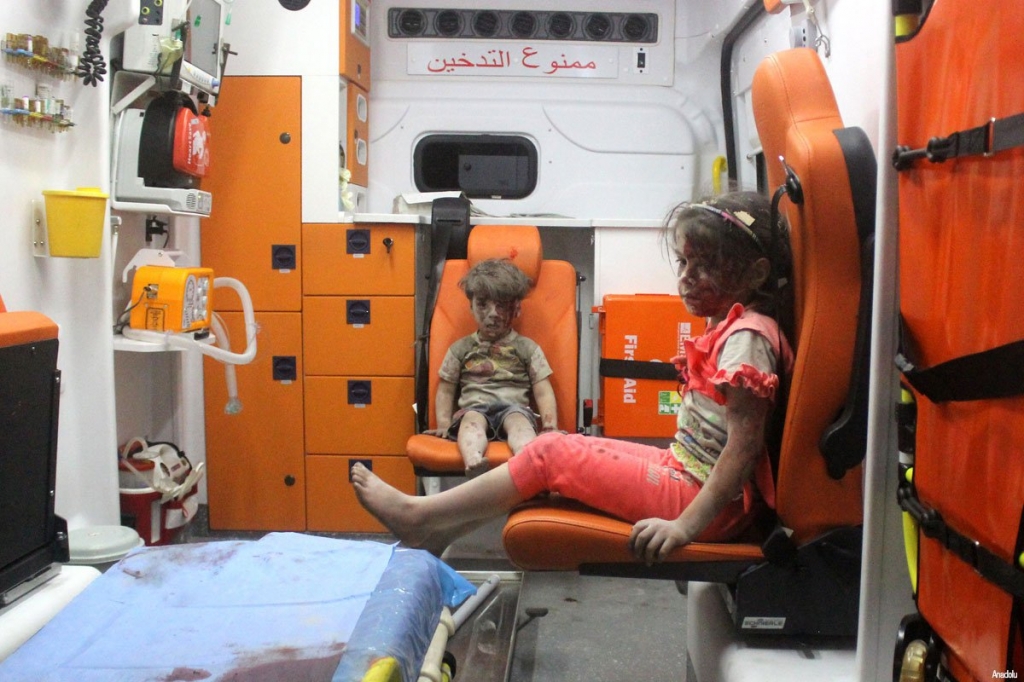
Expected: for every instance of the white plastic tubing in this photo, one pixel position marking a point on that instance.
(186, 342)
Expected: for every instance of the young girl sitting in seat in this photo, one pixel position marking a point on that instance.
(715, 479)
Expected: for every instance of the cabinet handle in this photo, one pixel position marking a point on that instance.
(285, 138)
(289, 480)
(388, 243)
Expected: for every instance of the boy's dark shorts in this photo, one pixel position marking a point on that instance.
(495, 414)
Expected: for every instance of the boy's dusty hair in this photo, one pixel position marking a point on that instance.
(497, 279)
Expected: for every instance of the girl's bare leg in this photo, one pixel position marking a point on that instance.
(434, 521)
(518, 431)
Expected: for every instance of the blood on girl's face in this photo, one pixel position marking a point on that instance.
(698, 287)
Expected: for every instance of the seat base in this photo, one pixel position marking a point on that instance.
(813, 591)
(435, 456)
(719, 653)
(562, 535)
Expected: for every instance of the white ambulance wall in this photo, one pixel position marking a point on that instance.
(607, 148)
(594, 161)
(273, 41)
(106, 397)
(73, 292)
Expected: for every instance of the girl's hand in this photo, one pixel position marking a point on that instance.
(654, 539)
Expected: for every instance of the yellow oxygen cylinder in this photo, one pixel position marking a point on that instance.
(906, 425)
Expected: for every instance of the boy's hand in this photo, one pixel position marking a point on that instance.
(440, 433)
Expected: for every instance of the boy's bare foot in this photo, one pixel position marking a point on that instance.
(477, 467)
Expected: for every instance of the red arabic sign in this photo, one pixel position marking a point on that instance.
(502, 59)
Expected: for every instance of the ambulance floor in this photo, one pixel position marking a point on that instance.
(595, 629)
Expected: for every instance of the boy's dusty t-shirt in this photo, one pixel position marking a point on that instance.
(502, 371)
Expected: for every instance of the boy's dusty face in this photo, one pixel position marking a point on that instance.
(493, 318)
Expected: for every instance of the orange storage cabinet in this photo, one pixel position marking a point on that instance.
(648, 328)
(357, 259)
(254, 228)
(354, 55)
(358, 335)
(359, 415)
(332, 503)
(254, 458)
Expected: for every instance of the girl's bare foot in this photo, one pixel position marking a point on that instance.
(406, 516)
(390, 506)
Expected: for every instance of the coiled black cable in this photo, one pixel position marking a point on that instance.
(91, 65)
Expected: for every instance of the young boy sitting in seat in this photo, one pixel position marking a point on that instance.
(493, 371)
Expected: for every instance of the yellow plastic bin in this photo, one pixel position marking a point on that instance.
(74, 221)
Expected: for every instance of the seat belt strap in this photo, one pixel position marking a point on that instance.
(994, 373)
(998, 134)
(1005, 575)
(638, 369)
(449, 217)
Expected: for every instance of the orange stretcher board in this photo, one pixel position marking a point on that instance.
(961, 240)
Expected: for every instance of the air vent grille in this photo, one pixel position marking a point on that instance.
(486, 24)
(598, 26)
(411, 23)
(465, 24)
(560, 25)
(523, 24)
(448, 23)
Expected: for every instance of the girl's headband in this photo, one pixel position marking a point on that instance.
(740, 219)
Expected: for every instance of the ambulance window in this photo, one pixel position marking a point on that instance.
(482, 166)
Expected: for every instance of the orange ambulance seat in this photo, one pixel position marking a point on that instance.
(796, 114)
(24, 326)
(548, 317)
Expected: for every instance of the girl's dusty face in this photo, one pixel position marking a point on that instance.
(493, 318)
(698, 284)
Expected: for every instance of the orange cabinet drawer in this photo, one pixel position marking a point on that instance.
(358, 336)
(331, 503)
(254, 459)
(359, 415)
(351, 259)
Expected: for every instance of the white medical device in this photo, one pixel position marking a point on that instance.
(221, 352)
(178, 36)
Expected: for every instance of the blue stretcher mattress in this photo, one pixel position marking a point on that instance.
(287, 606)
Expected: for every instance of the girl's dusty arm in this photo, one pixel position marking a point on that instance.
(654, 539)
(544, 396)
(444, 407)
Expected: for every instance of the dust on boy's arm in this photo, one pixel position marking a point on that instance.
(544, 396)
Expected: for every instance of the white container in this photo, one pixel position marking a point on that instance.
(101, 546)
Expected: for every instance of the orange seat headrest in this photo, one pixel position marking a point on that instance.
(519, 243)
